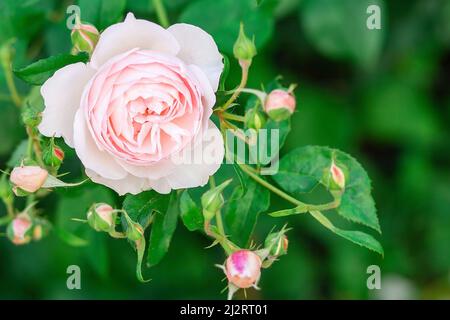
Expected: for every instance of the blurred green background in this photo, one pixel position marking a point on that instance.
(380, 95)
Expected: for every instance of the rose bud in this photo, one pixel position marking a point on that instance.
(31, 116)
(243, 268)
(254, 119)
(28, 178)
(280, 104)
(244, 48)
(277, 243)
(337, 177)
(135, 231)
(101, 217)
(212, 200)
(53, 155)
(40, 229)
(20, 228)
(84, 36)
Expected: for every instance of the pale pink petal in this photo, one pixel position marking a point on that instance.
(130, 34)
(62, 95)
(131, 184)
(208, 153)
(92, 158)
(198, 47)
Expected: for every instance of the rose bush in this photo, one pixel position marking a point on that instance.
(145, 97)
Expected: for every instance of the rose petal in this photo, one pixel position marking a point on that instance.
(198, 47)
(131, 184)
(208, 154)
(92, 158)
(62, 94)
(133, 33)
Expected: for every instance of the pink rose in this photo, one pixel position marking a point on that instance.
(140, 106)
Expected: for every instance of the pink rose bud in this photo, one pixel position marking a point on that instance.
(243, 268)
(101, 217)
(84, 37)
(337, 175)
(280, 104)
(28, 178)
(19, 230)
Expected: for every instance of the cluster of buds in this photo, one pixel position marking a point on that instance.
(84, 36)
(27, 179)
(22, 229)
(243, 267)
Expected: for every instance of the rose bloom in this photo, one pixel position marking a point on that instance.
(141, 104)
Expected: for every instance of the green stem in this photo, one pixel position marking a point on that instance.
(15, 97)
(269, 186)
(161, 13)
(219, 222)
(244, 67)
(234, 117)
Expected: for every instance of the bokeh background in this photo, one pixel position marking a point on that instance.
(380, 95)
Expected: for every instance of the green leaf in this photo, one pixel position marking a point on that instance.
(141, 206)
(338, 29)
(163, 227)
(38, 72)
(302, 169)
(221, 19)
(358, 237)
(190, 213)
(225, 72)
(70, 238)
(242, 210)
(53, 182)
(102, 13)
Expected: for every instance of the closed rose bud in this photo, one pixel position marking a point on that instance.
(337, 176)
(277, 244)
(19, 230)
(28, 178)
(84, 37)
(212, 200)
(280, 104)
(254, 119)
(41, 228)
(134, 231)
(244, 48)
(101, 217)
(243, 268)
(53, 155)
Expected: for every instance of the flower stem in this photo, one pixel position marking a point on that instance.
(234, 117)
(6, 63)
(269, 186)
(245, 66)
(161, 13)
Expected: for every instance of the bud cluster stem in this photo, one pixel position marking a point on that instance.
(245, 66)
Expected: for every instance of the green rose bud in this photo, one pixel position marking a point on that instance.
(277, 243)
(134, 231)
(52, 155)
(244, 48)
(101, 217)
(212, 200)
(84, 37)
(254, 119)
(31, 116)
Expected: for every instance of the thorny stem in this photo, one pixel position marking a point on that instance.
(219, 221)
